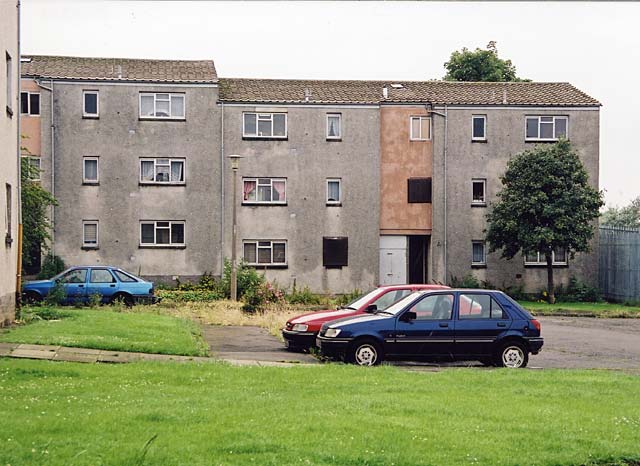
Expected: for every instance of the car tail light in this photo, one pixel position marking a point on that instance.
(536, 324)
(151, 291)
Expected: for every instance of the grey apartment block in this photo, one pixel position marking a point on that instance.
(469, 160)
(306, 159)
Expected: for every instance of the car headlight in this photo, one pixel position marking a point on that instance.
(332, 332)
(300, 327)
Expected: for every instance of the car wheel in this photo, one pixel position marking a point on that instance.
(512, 354)
(123, 298)
(31, 297)
(365, 353)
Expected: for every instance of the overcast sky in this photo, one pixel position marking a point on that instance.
(595, 46)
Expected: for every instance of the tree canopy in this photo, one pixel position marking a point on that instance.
(546, 204)
(480, 65)
(622, 217)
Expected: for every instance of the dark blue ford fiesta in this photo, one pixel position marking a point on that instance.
(461, 325)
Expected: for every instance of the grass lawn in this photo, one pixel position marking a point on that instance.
(109, 330)
(201, 414)
(582, 309)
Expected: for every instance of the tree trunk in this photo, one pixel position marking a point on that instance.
(551, 295)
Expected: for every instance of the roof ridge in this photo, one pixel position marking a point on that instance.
(399, 81)
(31, 55)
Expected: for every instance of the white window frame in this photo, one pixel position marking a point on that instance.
(264, 115)
(484, 119)
(155, 98)
(339, 116)
(84, 174)
(272, 242)
(171, 244)
(32, 158)
(155, 164)
(413, 137)
(85, 244)
(484, 252)
(484, 191)
(542, 261)
(271, 181)
(555, 117)
(334, 180)
(29, 94)
(90, 115)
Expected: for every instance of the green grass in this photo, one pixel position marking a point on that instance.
(109, 330)
(582, 309)
(200, 414)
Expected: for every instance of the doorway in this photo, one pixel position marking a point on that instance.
(418, 249)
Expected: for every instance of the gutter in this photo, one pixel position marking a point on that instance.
(19, 185)
(446, 140)
(53, 161)
(222, 173)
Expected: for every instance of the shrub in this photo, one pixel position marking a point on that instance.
(190, 295)
(95, 300)
(468, 281)
(516, 292)
(579, 291)
(344, 299)
(51, 266)
(304, 296)
(56, 296)
(249, 280)
(265, 293)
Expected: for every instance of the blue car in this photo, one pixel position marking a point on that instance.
(482, 325)
(80, 283)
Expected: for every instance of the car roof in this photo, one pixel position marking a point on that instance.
(468, 290)
(421, 286)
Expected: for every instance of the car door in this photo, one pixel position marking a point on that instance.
(480, 320)
(74, 284)
(103, 283)
(431, 332)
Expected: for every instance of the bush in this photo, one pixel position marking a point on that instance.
(249, 280)
(516, 292)
(344, 299)
(51, 266)
(304, 296)
(265, 293)
(56, 296)
(579, 291)
(468, 281)
(190, 295)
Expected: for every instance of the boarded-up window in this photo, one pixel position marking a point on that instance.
(335, 251)
(419, 190)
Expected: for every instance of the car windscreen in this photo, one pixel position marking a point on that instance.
(362, 300)
(404, 302)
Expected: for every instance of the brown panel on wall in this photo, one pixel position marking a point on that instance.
(30, 125)
(401, 159)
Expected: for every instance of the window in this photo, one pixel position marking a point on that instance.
(334, 126)
(479, 306)
(90, 234)
(420, 128)
(34, 162)
(264, 190)
(30, 103)
(419, 190)
(162, 106)
(478, 254)
(265, 252)
(478, 191)
(434, 307)
(75, 276)
(90, 170)
(558, 257)
(162, 233)
(334, 191)
(9, 76)
(162, 171)
(7, 222)
(390, 298)
(335, 252)
(264, 125)
(479, 128)
(91, 104)
(124, 277)
(546, 128)
(101, 276)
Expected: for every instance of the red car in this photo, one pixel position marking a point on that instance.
(300, 332)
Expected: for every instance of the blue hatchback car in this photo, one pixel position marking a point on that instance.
(482, 325)
(80, 283)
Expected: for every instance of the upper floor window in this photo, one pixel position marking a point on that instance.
(479, 187)
(479, 128)
(420, 128)
(90, 234)
(558, 257)
(335, 252)
(334, 191)
(264, 125)
(419, 190)
(162, 171)
(90, 170)
(264, 190)
(478, 253)
(90, 104)
(334, 126)
(546, 128)
(30, 103)
(161, 233)
(162, 105)
(258, 252)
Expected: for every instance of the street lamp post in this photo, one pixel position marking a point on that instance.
(235, 164)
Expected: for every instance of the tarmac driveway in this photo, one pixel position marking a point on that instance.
(570, 342)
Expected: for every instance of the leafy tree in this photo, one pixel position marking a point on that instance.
(624, 217)
(35, 202)
(480, 65)
(546, 203)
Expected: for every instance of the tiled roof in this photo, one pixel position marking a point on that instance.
(370, 92)
(119, 69)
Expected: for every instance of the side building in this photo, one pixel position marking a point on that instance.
(9, 161)
(129, 148)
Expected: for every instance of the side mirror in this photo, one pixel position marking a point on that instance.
(371, 308)
(409, 315)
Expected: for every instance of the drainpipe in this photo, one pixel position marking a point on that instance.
(445, 184)
(18, 112)
(53, 162)
(222, 173)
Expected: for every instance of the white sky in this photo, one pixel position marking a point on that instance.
(595, 46)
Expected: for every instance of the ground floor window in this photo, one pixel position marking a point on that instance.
(265, 252)
(478, 253)
(558, 257)
(90, 234)
(161, 233)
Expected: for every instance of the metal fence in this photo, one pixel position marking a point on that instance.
(620, 263)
